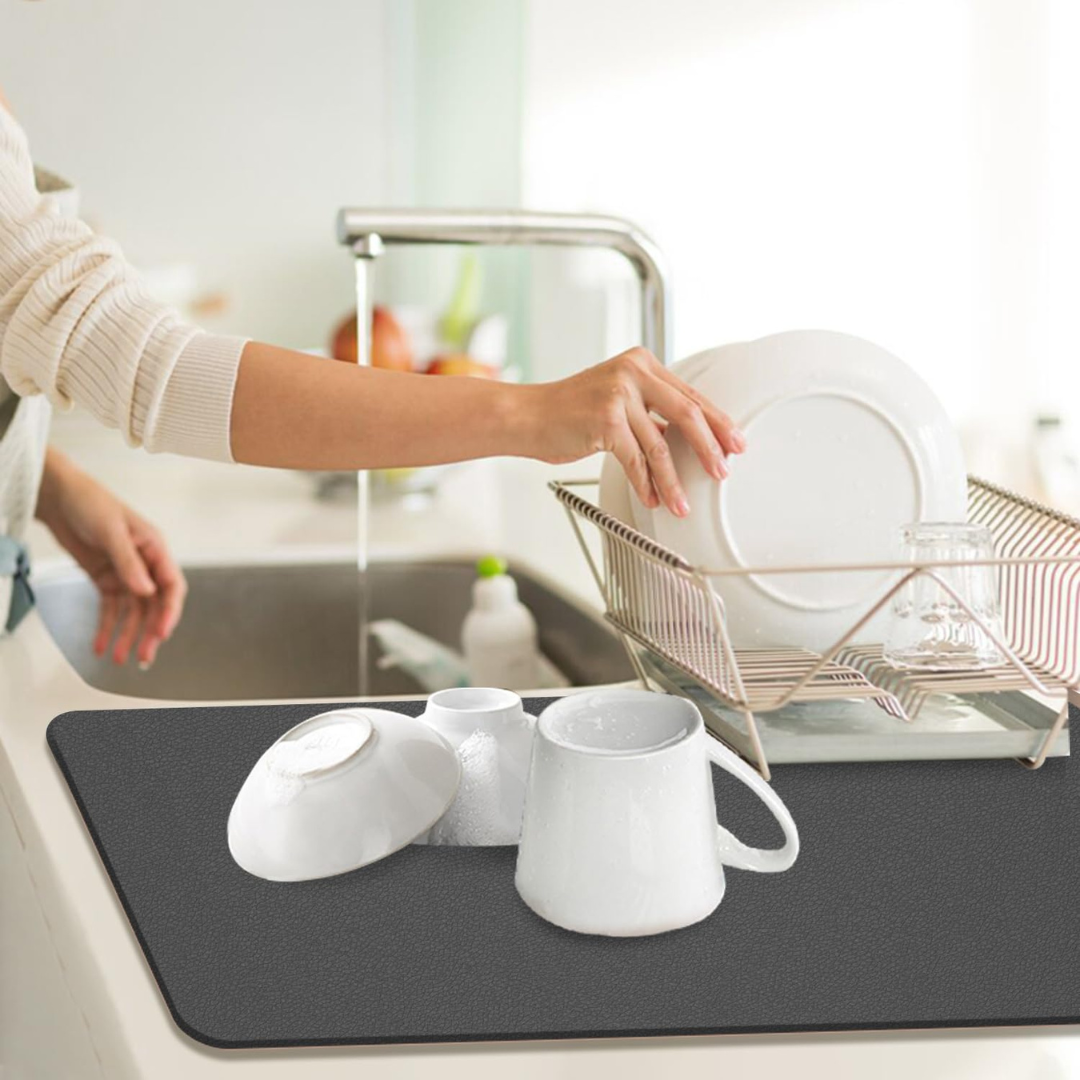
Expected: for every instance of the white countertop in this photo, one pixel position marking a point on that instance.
(110, 1011)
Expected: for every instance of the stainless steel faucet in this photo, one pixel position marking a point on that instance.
(366, 232)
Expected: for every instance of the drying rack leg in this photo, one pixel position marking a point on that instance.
(1037, 761)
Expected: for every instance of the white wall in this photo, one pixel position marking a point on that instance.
(221, 134)
(901, 169)
(876, 167)
(1058, 282)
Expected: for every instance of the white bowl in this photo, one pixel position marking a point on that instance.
(339, 791)
(845, 445)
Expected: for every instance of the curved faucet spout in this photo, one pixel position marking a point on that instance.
(365, 231)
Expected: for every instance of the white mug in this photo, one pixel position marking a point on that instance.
(620, 834)
(489, 803)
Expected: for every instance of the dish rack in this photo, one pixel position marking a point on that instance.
(666, 609)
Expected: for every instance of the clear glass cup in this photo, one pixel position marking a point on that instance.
(929, 630)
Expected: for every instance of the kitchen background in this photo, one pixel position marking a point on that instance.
(904, 170)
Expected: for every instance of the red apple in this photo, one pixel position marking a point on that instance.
(390, 345)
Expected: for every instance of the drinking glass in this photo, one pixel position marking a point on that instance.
(929, 630)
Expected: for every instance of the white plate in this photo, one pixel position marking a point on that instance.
(615, 496)
(620, 500)
(845, 444)
(690, 367)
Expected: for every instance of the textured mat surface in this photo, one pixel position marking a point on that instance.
(926, 895)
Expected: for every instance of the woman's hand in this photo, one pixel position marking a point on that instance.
(142, 589)
(623, 406)
(298, 412)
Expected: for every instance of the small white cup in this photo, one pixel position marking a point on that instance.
(489, 803)
(620, 835)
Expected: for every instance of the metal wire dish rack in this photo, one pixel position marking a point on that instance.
(666, 609)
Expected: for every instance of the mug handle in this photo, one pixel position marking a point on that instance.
(733, 852)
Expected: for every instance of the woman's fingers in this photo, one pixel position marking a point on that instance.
(108, 610)
(150, 641)
(130, 620)
(681, 410)
(731, 439)
(127, 561)
(171, 586)
(161, 611)
(722, 426)
(142, 596)
(649, 400)
(630, 456)
(658, 457)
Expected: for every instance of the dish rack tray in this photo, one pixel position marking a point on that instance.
(665, 608)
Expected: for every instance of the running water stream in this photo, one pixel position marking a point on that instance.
(365, 252)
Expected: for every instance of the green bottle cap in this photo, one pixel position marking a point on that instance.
(490, 566)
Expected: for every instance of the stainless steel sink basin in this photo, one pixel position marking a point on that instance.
(292, 631)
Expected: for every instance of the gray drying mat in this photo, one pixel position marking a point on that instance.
(927, 895)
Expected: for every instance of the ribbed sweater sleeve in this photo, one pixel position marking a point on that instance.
(78, 325)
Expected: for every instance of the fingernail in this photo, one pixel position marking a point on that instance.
(682, 507)
(721, 468)
(738, 440)
(144, 665)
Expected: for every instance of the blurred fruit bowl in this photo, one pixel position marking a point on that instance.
(407, 338)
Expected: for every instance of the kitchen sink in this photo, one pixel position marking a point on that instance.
(292, 631)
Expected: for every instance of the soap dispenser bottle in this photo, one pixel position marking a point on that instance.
(499, 634)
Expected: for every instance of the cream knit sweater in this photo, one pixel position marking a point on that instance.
(78, 327)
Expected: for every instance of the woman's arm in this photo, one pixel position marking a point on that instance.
(294, 410)
(77, 325)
